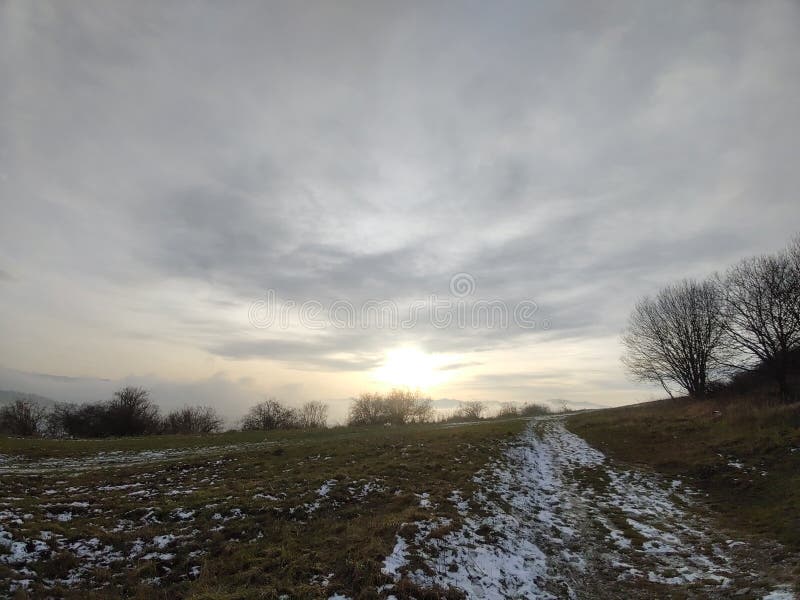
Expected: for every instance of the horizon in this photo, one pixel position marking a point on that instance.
(307, 203)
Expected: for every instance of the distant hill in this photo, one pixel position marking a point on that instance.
(10, 396)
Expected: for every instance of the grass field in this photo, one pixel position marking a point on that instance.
(421, 511)
(743, 454)
(235, 515)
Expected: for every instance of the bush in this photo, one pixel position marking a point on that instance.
(405, 406)
(131, 412)
(192, 419)
(270, 414)
(508, 410)
(398, 407)
(471, 410)
(313, 415)
(85, 421)
(367, 409)
(531, 409)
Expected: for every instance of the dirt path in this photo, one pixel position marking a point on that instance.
(557, 519)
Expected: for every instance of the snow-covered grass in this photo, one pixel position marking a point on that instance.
(299, 515)
(489, 510)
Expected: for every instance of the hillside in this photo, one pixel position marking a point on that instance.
(491, 510)
(742, 453)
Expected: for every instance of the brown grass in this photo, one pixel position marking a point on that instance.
(742, 452)
(277, 546)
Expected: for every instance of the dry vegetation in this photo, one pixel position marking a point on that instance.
(249, 514)
(732, 343)
(742, 451)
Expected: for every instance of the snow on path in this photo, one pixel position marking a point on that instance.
(557, 519)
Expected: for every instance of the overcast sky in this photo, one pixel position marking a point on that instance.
(164, 165)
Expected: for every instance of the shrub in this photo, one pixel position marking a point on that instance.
(398, 407)
(312, 415)
(85, 421)
(131, 412)
(531, 409)
(193, 419)
(405, 406)
(270, 414)
(367, 409)
(471, 410)
(508, 410)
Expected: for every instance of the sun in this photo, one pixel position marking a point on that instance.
(409, 367)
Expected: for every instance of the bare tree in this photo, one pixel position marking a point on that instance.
(793, 253)
(270, 414)
(676, 337)
(367, 409)
(422, 411)
(406, 406)
(193, 419)
(22, 417)
(313, 415)
(398, 407)
(131, 412)
(472, 410)
(761, 299)
(508, 410)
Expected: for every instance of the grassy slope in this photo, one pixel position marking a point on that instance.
(701, 441)
(269, 551)
(35, 448)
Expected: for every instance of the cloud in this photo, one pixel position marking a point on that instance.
(319, 354)
(163, 166)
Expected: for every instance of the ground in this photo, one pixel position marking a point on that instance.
(508, 509)
(240, 515)
(555, 518)
(741, 453)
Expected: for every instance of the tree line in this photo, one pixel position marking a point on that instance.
(478, 410)
(132, 412)
(695, 335)
(129, 412)
(271, 414)
(402, 407)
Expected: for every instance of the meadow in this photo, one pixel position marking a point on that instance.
(742, 452)
(293, 514)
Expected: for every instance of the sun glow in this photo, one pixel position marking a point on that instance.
(409, 367)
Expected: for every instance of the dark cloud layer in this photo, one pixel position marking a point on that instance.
(575, 154)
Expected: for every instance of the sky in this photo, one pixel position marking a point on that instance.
(228, 201)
